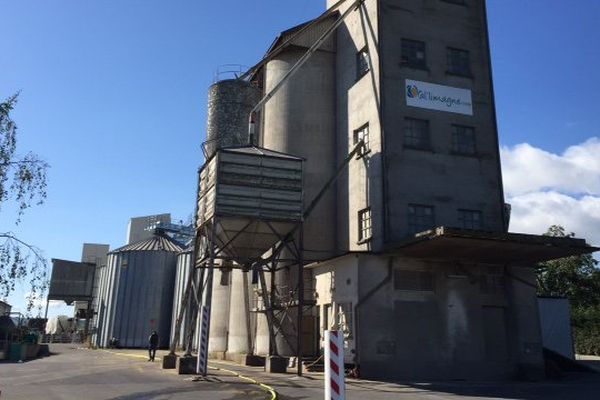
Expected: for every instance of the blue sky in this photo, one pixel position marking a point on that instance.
(113, 96)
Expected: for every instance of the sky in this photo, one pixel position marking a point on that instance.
(113, 96)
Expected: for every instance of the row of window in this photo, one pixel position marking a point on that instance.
(417, 136)
(420, 218)
(413, 55)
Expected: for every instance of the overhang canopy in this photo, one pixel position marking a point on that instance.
(484, 247)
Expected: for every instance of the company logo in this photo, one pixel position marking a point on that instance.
(412, 91)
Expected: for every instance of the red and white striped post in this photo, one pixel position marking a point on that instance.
(334, 366)
(202, 363)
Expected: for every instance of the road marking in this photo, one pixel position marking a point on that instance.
(266, 388)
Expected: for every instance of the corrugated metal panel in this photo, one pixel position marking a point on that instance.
(71, 280)
(184, 266)
(155, 243)
(255, 189)
(137, 296)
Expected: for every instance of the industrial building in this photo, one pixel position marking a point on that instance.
(387, 109)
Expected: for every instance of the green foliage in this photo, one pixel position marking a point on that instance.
(586, 330)
(575, 277)
(578, 279)
(22, 180)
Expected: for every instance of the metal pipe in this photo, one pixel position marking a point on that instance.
(299, 64)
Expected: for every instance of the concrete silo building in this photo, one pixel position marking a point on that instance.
(409, 252)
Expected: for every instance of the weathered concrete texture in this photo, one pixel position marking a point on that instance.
(275, 364)
(300, 120)
(445, 321)
(186, 365)
(169, 361)
(229, 104)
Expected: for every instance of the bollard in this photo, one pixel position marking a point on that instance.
(201, 367)
(334, 366)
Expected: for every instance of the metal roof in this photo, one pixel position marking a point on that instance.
(155, 243)
(444, 243)
(259, 151)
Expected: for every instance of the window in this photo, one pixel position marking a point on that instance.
(362, 133)
(420, 218)
(413, 280)
(363, 63)
(344, 319)
(469, 219)
(365, 231)
(463, 139)
(413, 53)
(416, 133)
(458, 61)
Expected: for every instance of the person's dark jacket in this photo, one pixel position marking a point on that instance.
(153, 340)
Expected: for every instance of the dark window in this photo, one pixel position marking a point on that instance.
(416, 133)
(420, 218)
(458, 61)
(463, 139)
(413, 280)
(363, 63)
(364, 225)
(469, 219)
(413, 53)
(362, 133)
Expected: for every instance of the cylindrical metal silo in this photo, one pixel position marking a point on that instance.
(300, 120)
(229, 104)
(138, 286)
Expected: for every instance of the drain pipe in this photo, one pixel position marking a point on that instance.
(361, 301)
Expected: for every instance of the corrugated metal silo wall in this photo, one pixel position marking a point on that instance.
(139, 297)
(229, 104)
(184, 264)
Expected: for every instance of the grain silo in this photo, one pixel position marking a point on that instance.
(229, 105)
(137, 292)
(300, 119)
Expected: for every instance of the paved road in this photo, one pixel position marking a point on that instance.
(86, 374)
(90, 375)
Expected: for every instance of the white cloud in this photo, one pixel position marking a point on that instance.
(576, 171)
(546, 189)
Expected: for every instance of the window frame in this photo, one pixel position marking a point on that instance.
(425, 141)
(450, 51)
(419, 226)
(365, 225)
(356, 137)
(362, 61)
(457, 148)
(462, 212)
(410, 62)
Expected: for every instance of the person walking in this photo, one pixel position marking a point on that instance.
(152, 345)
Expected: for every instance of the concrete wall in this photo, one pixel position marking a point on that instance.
(140, 228)
(438, 177)
(358, 101)
(416, 319)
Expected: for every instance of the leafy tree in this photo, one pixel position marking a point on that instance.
(22, 181)
(575, 277)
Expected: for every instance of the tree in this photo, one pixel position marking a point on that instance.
(575, 277)
(23, 180)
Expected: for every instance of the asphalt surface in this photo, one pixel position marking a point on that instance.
(73, 373)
